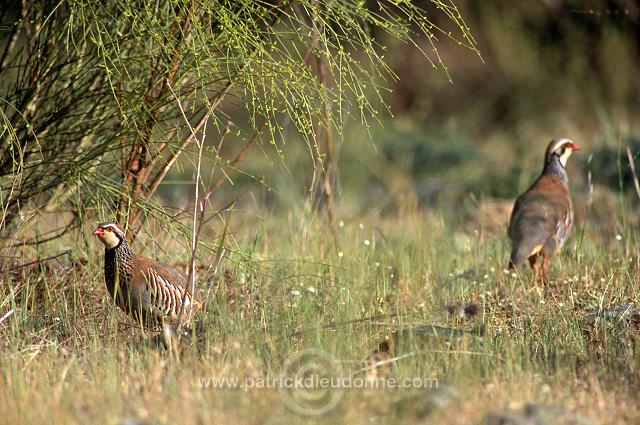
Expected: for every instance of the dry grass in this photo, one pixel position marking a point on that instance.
(70, 357)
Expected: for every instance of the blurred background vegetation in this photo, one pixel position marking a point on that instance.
(471, 143)
(547, 69)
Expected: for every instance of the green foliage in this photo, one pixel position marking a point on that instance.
(99, 100)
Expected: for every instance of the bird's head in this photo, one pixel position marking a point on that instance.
(110, 234)
(562, 148)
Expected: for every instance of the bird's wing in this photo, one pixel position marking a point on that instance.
(163, 289)
(541, 215)
(533, 215)
(563, 225)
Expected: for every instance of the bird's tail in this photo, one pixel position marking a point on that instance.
(519, 254)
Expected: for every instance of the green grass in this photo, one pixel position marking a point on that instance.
(70, 357)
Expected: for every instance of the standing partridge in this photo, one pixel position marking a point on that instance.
(542, 216)
(150, 291)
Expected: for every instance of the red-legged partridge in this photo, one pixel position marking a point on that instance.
(542, 216)
(150, 291)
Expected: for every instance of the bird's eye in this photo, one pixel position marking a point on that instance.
(108, 229)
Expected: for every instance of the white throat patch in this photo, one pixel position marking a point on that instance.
(564, 157)
(110, 239)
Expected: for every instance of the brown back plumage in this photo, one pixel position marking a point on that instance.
(541, 218)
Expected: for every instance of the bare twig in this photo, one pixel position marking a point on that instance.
(15, 33)
(39, 261)
(195, 229)
(633, 171)
(324, 130)
(336, 325)
(215, 103)
(6, 316)
(56, 234)
(174, 156)
(418, 353)
(239, 157)
(198, 220)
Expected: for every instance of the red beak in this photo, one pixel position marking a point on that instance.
(98, 232)
(575, 147)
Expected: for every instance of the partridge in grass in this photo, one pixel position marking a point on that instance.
(542, 216)
(150, 291)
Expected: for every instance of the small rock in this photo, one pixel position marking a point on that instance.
(535, 414)
(506, 419)
(620, 314)
(463, 309)
(426, 403)
(132, 421)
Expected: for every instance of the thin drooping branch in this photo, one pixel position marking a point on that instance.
(238, 158)
(12, 41)
(39, 261)
(212, 107)
(323, 130)
(86, 98)
(137, 169)
(161, 174)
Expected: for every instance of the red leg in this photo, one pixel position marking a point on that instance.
(535, 267)
(545, 278)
